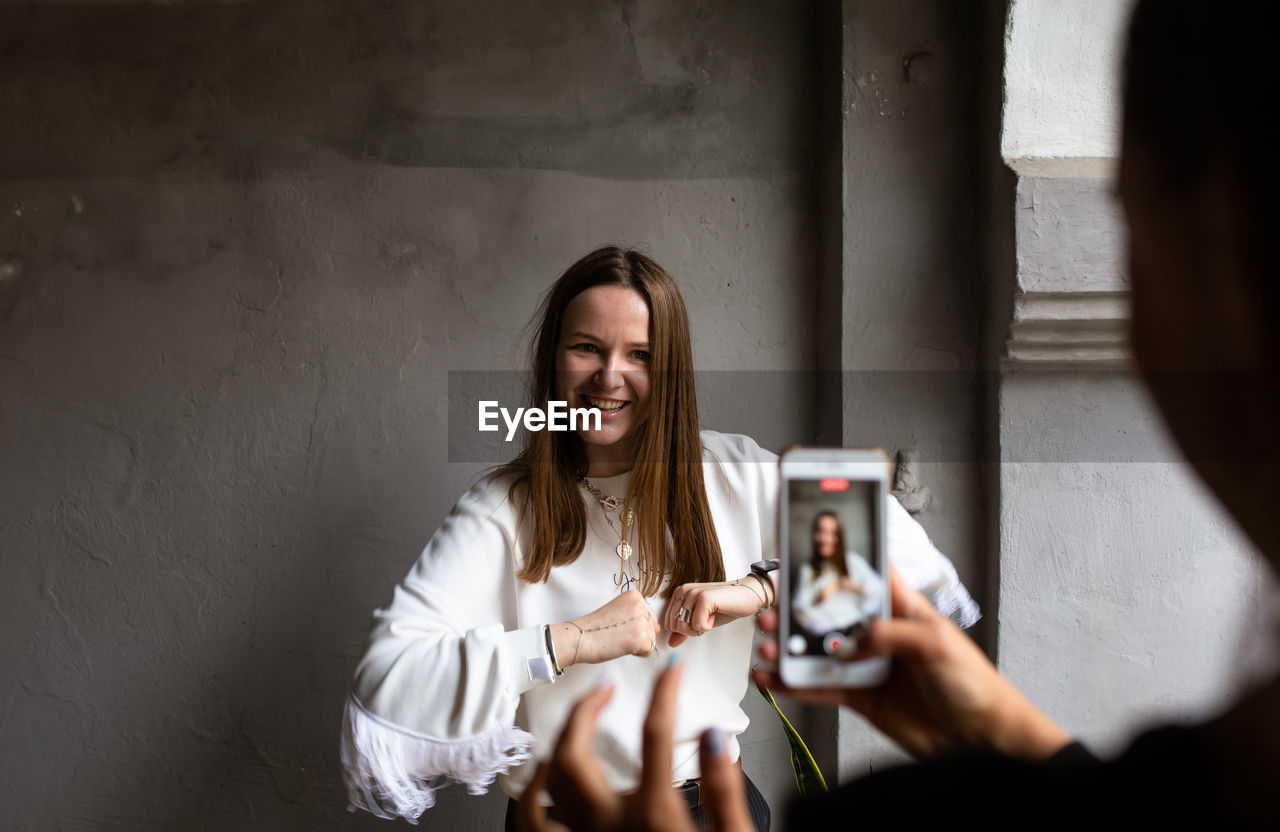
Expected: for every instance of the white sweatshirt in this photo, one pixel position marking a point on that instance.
(445, 693)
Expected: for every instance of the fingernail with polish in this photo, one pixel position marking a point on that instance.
(714, 740)
(672, 658)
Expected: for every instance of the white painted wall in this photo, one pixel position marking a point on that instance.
(1062, 77)
(1128, 597)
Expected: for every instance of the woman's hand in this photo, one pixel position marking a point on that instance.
(710, 605)
(623, 627)
(942, 692)
(582, 794)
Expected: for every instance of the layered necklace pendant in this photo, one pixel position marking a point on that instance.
(627, 577)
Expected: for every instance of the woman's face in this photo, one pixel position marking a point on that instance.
(603, 361)
(826, 535)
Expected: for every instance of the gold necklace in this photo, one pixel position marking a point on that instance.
(608, 502)
(627, 574)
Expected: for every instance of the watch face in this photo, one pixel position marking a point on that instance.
(763, 567)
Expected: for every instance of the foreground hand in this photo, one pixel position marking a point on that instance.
(942, 692)
(581, 791)
(710, 605)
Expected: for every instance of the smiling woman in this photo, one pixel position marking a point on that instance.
(615, 335)
(587, 560)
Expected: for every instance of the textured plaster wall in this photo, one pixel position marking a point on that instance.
(1062, 84)
(1127, 595)
(910, 296)
(240, 247)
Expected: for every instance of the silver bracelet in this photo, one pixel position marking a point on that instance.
(551, 650)
(764, 599)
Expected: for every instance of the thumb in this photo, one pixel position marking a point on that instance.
(724, 795)
(676, 639)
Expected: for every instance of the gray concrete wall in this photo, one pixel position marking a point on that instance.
(241, 244)
(900, 332)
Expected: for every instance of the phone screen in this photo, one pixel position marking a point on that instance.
(835, 577)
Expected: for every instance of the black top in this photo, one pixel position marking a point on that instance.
(1164, 780)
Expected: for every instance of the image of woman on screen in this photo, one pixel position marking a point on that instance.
(837, 590)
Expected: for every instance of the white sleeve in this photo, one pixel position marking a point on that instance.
(435, 694)
(863, 573)
(924, 568)
(873, 586)
(802, 595)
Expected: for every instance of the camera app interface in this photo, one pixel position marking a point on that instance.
(835, 587)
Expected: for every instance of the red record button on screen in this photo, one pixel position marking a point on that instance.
(833, 484)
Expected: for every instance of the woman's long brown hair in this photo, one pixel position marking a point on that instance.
(666, 489)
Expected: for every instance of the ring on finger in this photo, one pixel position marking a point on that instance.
(684, 616)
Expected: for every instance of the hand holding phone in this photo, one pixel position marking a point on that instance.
(942, 693)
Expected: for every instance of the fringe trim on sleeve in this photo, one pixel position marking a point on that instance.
(954, 602)
(393, 772)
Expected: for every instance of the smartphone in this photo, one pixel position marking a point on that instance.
(835, 578)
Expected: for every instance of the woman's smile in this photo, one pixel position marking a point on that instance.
(608, 407)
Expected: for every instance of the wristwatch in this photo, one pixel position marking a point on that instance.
(761, 570)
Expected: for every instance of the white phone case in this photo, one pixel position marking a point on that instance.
(850, 486)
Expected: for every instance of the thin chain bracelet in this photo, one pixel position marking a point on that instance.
(764, 601)
(577, 648)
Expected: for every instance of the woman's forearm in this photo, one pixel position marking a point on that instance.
(567, 639)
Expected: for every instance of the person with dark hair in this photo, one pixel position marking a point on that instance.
(1198, 185)
(588, 558)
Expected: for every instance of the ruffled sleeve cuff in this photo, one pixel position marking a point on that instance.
(394, 772)
(954, 601)
(925, 569)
